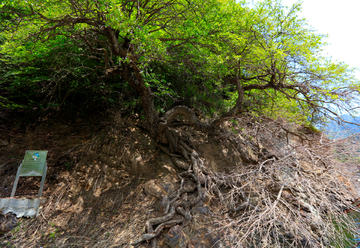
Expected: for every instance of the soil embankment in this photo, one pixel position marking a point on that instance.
(106, 179)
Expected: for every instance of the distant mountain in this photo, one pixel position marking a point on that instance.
(340, 131)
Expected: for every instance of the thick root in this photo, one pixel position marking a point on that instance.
(180, 202)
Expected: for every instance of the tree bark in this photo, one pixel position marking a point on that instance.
(190, 117)
(131, 73)
(238, 106)
(134, 78)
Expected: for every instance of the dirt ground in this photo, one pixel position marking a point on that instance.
(84, 190)
(97, 186)
(94, 189)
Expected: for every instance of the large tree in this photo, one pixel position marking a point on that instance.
(221, 54)
(246, 53)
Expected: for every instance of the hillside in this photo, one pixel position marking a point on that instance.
(174, 123)
(107, 178)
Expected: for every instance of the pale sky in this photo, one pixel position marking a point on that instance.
(340, 20)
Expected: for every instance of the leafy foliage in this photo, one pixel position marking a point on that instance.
(221, 56)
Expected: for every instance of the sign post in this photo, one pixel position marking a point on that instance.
(34, 164)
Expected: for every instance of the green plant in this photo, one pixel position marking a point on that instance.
(16, 229)
(68, 165)
(54, 234)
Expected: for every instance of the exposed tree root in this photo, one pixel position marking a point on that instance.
(195, 170)
(179, 203)
(275, 199)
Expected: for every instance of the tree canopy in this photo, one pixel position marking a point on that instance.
(222, 56)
